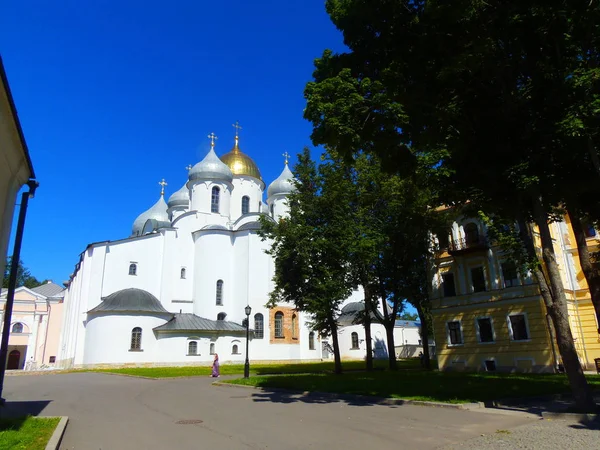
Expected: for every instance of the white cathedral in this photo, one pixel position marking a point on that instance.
(176, 290)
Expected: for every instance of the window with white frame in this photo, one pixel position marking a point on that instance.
(219, 293)
(510, 274)
(355, 343)
(448, 284)
(17, 328)
(136, 339)
(259, 326)
(455, 336)
(214, 199)
(311, 340)
(485, 329)
(133, 269)
(212, 348)
(182, 273)
(235, 350)
(192, 348)
(517, 327)
(278, 324)
(245, 204)
(478, 279)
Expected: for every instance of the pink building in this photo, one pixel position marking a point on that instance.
(35, 326)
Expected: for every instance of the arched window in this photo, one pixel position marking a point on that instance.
(136, 339)
(234, 350)
(355, 341)
(17, 328)
(278, 324)
(133, 269)
(212, 348)
(259, 326)
(471, 234)
(214, 200)
(183, 273)
(193, 348)
(311, 340)
(221, 316)
(245, 204)
(219, 294)
(294, 324)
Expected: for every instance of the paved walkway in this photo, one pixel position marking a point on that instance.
(115, 412)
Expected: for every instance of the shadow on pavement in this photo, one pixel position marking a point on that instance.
(21, 409)
(284, 396)
(588, 424)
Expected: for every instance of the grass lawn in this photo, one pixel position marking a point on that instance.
(26, 433)
(420, 385)
(255, 369)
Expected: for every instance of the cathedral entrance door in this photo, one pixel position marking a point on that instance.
(14, 358)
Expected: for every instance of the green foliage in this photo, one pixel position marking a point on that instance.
(24, 277)
(408, 316)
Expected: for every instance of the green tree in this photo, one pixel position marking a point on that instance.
(24, 277)
(310, 248)
(482, 91)
(408, 316)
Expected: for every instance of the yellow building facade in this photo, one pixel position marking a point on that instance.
(488, 317)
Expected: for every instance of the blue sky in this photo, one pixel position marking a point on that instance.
(114, 96)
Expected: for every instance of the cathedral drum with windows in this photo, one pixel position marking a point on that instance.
(174, 292)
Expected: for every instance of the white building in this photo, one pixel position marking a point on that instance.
(174, 292)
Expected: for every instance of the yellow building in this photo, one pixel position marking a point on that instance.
(486, 316)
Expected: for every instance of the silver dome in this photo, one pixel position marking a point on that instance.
(180, 198)
(211, 168)
(158, 212)
(284, 184)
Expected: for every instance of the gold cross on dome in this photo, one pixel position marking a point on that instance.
(237, 127)
(188, 167)
(162, 183)
(212, 137)
(286, 155)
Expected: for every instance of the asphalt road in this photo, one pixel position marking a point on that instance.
(116, 412)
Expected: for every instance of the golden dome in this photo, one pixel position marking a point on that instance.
(240, 163)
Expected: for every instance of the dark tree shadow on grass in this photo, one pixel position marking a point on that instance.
(16, 412)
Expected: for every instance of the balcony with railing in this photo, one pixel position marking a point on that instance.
(470, 244)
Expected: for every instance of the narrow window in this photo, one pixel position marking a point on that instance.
(259, 330)
(214, 200)
(311, 340)
(478, 279)
(272, 208)
(183, 273)
(234, 350)
(221, 316)
(471, 234)
(355, 341)
(52, 359)
(133, 269)
(518, 327)
(17, 328)
(448, 284)
(136, 339)
(245, 204)
(212, 348)
(454, 333)
(219, 294)
(294, 323)
(193, 348)
(485, 329)
(278, 324)
(509, 274)
(490, 365)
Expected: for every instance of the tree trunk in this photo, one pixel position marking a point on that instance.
(591, 275)
(367, 324)
(389, 332)
(424, 334)
(558, 312)
(336, 347)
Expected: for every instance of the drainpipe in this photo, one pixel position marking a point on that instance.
(12, 281)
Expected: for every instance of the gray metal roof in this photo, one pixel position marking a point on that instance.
(211, 168)
(284, 184)
(351, 312)
(192, 322)
(130, 300)
(50, 289)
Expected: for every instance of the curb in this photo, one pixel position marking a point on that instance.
(570, 416)
(57, 436)
(367, 398)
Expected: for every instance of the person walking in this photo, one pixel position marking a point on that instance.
(216, 372)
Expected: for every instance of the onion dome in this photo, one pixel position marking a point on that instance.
(180, 198)
(211, 167)
(129, 300)
(284, 184)
(240, 163)
(158, 213)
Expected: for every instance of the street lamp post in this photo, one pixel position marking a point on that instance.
(247, 310)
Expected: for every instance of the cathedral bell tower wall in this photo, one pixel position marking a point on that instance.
(244, 186)
(278, 206)
(202, 195)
